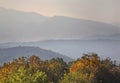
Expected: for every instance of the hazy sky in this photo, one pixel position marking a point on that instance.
(101, 10)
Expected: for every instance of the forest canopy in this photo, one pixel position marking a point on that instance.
(90, 68)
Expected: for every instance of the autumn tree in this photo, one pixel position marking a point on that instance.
(10, 67)
(92, 68)
(56, 69)
(23, 75)
(87, 69)
(23, 70)
(87, 65)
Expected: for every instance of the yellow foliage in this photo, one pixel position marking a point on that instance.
(87, 65)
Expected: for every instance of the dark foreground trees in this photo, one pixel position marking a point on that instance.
(91, 69)
(88, 69)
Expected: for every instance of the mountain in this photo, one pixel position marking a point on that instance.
(8, 54)
(116, 24)
(75, 48)
(65, 35)
(77, 28)
(17, 25)
(14, 16)
(28, 26)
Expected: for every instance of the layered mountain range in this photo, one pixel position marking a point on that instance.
(65, 35)
(29, 26)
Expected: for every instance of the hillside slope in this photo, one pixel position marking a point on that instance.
(8, 54)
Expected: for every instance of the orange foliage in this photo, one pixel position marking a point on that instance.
(88, 64)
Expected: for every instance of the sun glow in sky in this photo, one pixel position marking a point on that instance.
(100, 10)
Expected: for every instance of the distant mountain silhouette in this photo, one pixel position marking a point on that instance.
(27, 26)
(99, 37)
(11, 53)
(75, 48)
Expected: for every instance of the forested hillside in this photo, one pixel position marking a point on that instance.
(7, 54)
(90, 68)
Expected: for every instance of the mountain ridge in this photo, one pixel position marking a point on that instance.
(35, 27)
(8, 54)
(74, 48)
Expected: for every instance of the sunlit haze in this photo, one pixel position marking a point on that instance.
(100, 10)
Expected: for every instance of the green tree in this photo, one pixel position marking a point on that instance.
(56, 69)
(23, 75)
(75, 77)
(23, 70)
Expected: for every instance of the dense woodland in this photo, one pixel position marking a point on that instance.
(90, 68)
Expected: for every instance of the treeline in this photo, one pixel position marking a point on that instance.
(87, 69)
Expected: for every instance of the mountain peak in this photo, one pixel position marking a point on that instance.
(36, 27)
